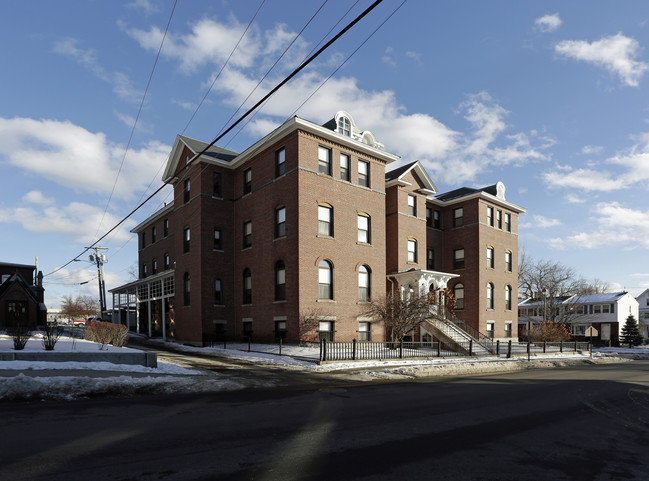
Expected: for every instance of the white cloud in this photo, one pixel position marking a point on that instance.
(616, 54)
(37, 197)
(145, 5)
(541, 222)
(450, 155)
(76, 158)
(574, 199)
(88, 59)
(591, 149)
(635, 162)
(77, 221)
(388, 57)
(548, 23)
(615, 226)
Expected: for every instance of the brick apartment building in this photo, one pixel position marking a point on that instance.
(295, 235)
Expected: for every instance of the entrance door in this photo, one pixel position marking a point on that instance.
(605, 332)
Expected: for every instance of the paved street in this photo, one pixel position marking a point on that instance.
(579, 423)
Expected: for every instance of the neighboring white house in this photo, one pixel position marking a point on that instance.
(55, 315)
(605, 312)
(643, 316)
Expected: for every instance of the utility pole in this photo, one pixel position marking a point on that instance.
(100, 259)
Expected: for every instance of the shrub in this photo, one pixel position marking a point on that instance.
(107, 333)
(51, 334)
(20, 334)
(551, 331)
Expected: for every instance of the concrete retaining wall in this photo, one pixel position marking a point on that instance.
(147, 359)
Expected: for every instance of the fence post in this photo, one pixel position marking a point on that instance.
(401, 348)
(561, 346)
(590, 349)
(498, 348)
(509, 350)
(249, 342)
(280, 346)
(575, 346)
(353, 349)
(528, 350)
(544, 346)
(439, 348)
(323, 348)
(470, 347)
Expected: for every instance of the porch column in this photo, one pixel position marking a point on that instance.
(162, 305)
(148, 305)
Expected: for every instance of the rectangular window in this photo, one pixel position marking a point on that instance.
(324, 161)
(217, 240)
(167, 261)
(280, 222)
(508, 261)
(247, 329)
(186, 239)
(490, 329)
(218, 297)
(363, 173)
(429, 217)
(364, 332)
(166, 227)
(412, 250)
(143, 238)
(280, 162)
(458, 217)
(430, 259)
(508, 329)
(363, 229)
(344, 167)
(612, 308)
(579, 330)
(412, 205)
(186, 190)
(247, 181)
(144, 270)
(605, 308)
(324, 221)
(499, 219)
(490, 216)
(437, 221)
(458, 259)
(326, 330)
(280, 329)
(247, 234)
(216, 184)
(508, 222)
(154, 266)
(153, 234)
(597, 309)
(490, 257)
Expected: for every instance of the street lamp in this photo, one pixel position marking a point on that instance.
(545, 304)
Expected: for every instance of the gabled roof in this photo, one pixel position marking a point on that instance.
(232, 160)
(20, 281)
(396, 177)
(492, 193)
(213, 153)
(606, 297)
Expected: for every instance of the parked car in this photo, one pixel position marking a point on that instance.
(93, 319)
(79, 323)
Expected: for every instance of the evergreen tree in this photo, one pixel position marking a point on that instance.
(630, 332)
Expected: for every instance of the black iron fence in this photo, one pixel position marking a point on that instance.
(370, 350)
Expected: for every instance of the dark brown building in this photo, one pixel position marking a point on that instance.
(293, 236)
(21, 299)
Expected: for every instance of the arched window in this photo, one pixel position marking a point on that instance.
(186, 289)
(490, 296)
(280, 281)
(325, 280)
(458, 293)
(364, 283)
(508, 298)
(247, 287)
(218, 295)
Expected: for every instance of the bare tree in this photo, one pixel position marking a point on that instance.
(402, 316)
(555, 286)
(79, 308)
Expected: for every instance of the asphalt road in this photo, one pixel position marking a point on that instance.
(578, 423)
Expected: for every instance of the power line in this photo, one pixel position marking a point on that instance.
(237, 122)
(137, 117)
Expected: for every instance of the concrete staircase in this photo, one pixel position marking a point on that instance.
(455, 337)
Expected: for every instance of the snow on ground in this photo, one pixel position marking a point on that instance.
(103, 378)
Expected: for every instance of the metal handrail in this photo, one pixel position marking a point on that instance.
(482, 339)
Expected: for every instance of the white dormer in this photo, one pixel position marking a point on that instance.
(346, 126)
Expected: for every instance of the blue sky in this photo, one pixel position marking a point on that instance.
(549, 97)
